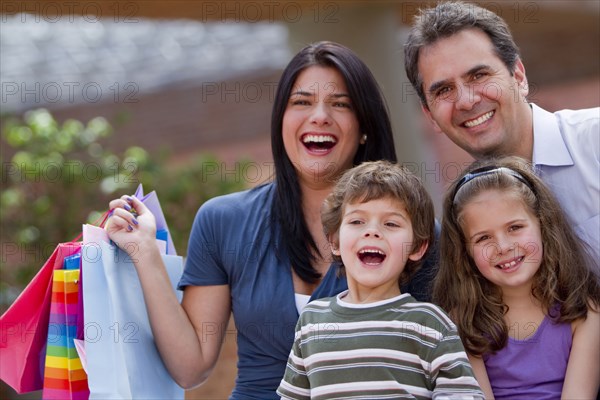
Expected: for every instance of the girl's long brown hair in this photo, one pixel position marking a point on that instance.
(565, 279)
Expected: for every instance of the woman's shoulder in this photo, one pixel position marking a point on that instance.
(246, 201)
(244, 215)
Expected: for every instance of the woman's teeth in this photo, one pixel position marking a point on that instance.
(318, 139)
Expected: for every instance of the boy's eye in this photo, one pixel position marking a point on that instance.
(392, 225)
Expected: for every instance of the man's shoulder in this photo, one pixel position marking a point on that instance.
(580, 130)
(579, 120)
(567, 114)
(574, 130)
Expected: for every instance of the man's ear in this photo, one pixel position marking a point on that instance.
(521, 78)
(418, 254)
(428, 115)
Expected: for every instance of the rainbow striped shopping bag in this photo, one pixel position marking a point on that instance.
(64, 377)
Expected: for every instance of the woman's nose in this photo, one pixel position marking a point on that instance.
(320, 115)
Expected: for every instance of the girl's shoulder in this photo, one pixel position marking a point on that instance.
(589, 325)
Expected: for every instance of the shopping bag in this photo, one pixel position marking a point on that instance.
(64, 377)
(162, 230)
(24, 327)
(122, 359)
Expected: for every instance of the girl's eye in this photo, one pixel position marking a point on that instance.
(481, 239)
(392, 225)
(513, 228)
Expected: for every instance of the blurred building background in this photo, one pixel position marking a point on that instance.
(200, 76)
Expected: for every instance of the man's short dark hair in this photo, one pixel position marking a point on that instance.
(447, 19)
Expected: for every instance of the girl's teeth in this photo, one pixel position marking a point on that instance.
(480, 120)
(510, 264)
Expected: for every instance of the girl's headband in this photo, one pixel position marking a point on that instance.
(488, 170)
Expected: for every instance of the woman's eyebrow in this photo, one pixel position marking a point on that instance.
(304, 93)
(301, 93)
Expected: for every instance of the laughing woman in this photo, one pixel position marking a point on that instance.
(261, 254)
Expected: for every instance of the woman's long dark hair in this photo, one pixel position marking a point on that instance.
(372, 114)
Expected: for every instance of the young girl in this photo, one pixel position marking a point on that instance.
(519, 285)
(372, 341)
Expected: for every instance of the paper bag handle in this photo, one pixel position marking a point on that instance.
(102, 220)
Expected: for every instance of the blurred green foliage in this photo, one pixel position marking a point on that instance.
(61, 176)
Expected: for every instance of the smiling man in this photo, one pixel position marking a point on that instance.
(466, 68)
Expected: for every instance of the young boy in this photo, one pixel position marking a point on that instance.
(371, 341)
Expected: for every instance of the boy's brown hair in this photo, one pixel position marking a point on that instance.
(376, 180)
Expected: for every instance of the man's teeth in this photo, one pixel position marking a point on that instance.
(480, 120)
(318, 139)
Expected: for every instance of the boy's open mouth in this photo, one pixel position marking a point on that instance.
(371, 256)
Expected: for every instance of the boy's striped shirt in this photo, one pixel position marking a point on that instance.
(396, 348)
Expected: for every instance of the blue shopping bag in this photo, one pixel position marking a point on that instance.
(122, 359)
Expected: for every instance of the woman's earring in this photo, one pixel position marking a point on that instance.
(363, 138)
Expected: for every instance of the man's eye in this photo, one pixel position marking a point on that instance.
(443, 92)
